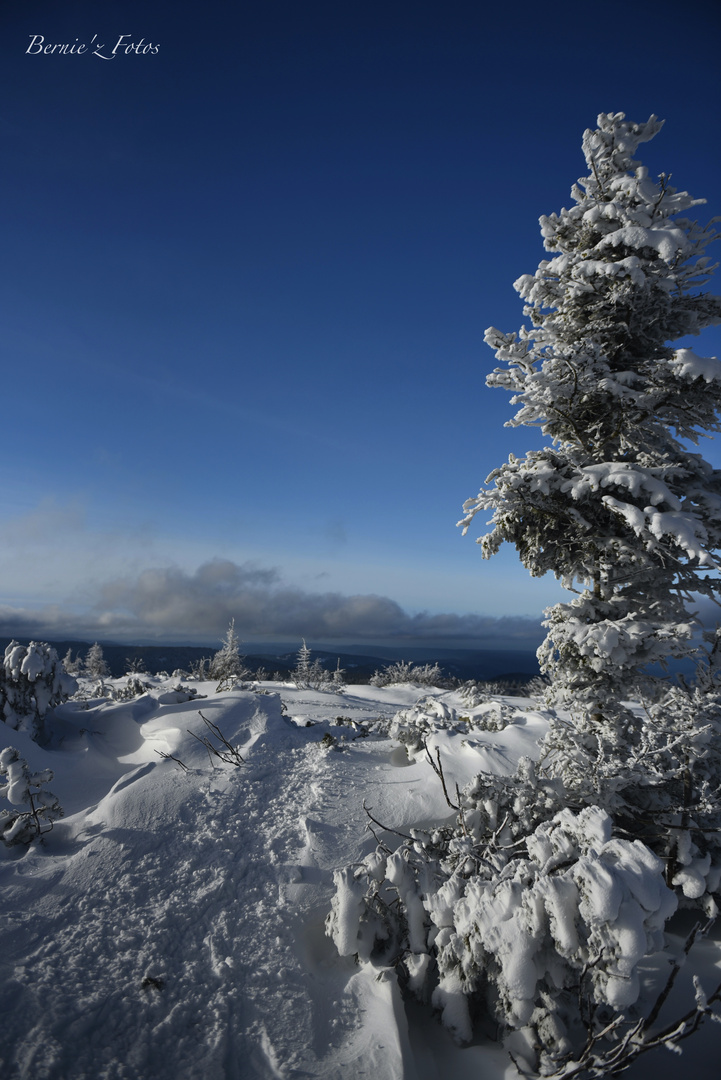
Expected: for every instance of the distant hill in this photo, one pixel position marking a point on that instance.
(358, 661)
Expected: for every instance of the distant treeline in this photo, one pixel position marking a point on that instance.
(505, 665)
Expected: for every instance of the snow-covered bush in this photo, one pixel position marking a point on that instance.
(472, 692)
(34, 808)
(412, 726)
(529, 915)
(536, 688)
(200, 669)
(32, 680)
(475, 693)
(403, 671)
(133, 688)
(659, 776)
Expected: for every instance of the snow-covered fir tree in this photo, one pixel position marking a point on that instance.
(72, 666)
(228, 664)
(32, 680)
(529, 904)
(301, 672)
(33, 807)
(618, 506)
(310, 674)
(96, 666)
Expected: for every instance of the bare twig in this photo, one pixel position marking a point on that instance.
(169, 757)
(438, 770)
(226, 751)
(639, 1039)
(386, 828)
(678, 964)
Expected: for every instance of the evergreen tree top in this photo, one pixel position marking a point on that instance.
(616, 501)
(596, 370)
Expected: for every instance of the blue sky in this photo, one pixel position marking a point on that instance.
(246, 283)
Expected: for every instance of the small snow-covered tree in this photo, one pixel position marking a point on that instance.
(32, 680)
(617, 506)
(72, 666)
(337, 679)
(34, 808)
(96, 666)
(228, 664)
(301, 672)
(310, 674)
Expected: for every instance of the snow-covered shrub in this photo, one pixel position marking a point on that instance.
(403, 671)
(32, 680)
(175, 693)
(200, 669)
(658, 774)
(133, 688)
(534, 924)
(475, 693)
(493, 716)
(96, 666)
(536, 688)
(34, 808)
(413, 725)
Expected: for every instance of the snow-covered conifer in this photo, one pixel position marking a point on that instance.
(337, 679)
(72, 666)
(617, 502)
(310, 674)
(95, 664)
(228, 664)
(301, 671)
(32, 680)
(33, 806)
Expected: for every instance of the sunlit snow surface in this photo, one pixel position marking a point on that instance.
(172, 925)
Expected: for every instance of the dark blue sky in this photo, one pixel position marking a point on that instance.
(247, 279)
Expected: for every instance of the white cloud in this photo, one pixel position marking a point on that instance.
(173, 604)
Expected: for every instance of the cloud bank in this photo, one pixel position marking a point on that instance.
(172, 605)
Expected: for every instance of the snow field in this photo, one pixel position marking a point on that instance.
(173, 924)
